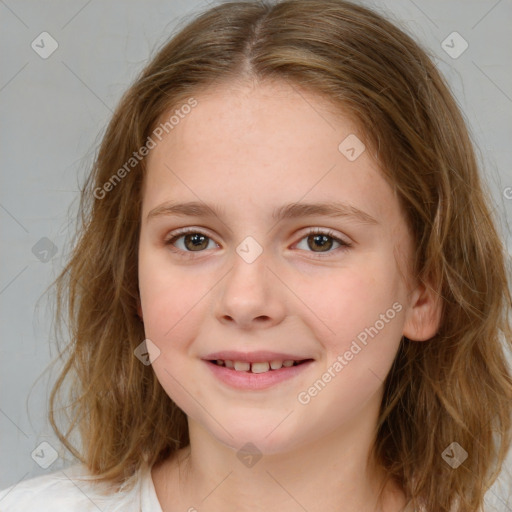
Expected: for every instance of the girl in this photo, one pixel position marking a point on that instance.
(288, 291)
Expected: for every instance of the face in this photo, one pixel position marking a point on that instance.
(254, 288)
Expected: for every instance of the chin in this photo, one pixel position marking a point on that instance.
(268, 435)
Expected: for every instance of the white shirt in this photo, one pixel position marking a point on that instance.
(70, 490)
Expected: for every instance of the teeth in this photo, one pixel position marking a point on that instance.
(260, 367)
(243, 366)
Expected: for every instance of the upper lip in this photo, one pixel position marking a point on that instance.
(259, 356)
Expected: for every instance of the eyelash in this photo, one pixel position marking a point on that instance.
(315, 231)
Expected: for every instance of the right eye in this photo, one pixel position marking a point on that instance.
(193, 241)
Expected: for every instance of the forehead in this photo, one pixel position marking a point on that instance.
(263, 144)
(274, 114)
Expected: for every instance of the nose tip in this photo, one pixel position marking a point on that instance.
(250, 296)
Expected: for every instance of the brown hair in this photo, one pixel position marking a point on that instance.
(456, 387)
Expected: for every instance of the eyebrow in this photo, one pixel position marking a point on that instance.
(289, 211)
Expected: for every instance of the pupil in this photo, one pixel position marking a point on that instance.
(197, 239)
(322, 241)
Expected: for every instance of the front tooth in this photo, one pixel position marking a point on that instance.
(275, 365)
(228, 364)
(288, 362)
(260, 367)
(242, 366)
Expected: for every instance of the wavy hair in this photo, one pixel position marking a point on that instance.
(455, 387)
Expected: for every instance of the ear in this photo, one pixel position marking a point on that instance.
(139, 309)
(423, 317)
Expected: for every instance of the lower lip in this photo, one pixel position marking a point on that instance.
(254, 381)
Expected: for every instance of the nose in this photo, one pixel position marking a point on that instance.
(250, 295)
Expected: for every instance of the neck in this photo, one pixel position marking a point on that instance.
(331, 473)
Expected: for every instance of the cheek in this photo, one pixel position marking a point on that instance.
(364, 312)
(170, 321)
(169, 296)
(345, 301)
(170, 303)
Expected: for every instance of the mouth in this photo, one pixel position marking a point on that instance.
(259, 366)
(256, 371)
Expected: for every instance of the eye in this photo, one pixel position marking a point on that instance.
(324, 241)
(197, 241)
(193, 241)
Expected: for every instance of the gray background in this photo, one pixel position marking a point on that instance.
(55, 110)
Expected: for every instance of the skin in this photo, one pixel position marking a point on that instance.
(251, 148)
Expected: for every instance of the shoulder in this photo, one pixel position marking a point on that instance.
(69, 489)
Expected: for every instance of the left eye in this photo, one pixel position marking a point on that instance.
(323, 240)
(197, 241)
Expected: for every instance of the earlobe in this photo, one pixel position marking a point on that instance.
(424, 314)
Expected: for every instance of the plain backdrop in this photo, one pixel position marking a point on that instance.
(55, 109)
